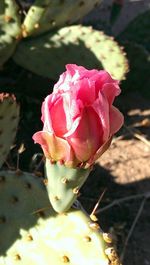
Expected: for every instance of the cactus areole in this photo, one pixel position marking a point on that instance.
(63, 184)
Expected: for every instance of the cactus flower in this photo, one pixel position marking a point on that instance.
(79, 118)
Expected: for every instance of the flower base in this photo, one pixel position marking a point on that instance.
(64, 184)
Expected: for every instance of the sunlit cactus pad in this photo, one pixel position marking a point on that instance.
(48, 55)
(9, 118)
(32, 233)
(44, 15)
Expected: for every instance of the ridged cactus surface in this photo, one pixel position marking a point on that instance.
(63, 184)
(48, 54)
(32, 235)
(9, 118)
(44, 15)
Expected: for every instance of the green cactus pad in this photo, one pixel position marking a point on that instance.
(2, 7)
(138, 30)
(11, 18)
(9, 118)
(7, 46)
(31, 235)
(47, 55)
(45, 15)
(63, 184)
(10, 29)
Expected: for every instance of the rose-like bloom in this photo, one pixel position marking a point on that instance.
(79, 118)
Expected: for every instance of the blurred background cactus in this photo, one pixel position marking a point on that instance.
(93, 49)
(35, 33)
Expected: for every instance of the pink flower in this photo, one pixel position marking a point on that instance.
(79, 118)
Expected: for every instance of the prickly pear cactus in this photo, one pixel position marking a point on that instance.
(44, 15)
(31, 235)
(9, 118)
(7, 45)
(11, 18)
(10, 29)
(63, 184)
(75, 44)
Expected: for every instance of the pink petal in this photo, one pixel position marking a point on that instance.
(46, 117)
(58, 118)
(60, 82)
(116, 120)
(86, 91)
(72, 69)
(111, 90)
(71, 108)
(100, 151)
(88, 136)
(55, 148)
(103, 78)
(79, 72)
(101, 107)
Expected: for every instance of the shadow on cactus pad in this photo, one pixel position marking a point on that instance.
(48, 54)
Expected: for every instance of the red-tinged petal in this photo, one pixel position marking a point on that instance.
(61, 82)
(86, 91)
(74, 70)
(111, 90)
(58, 118)
(54, 147)
(87, 137)
(103, 78)
(116, 120)
(72, 109)
(101, 107)
(46, 118)
(52, 110)
(100, 151)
